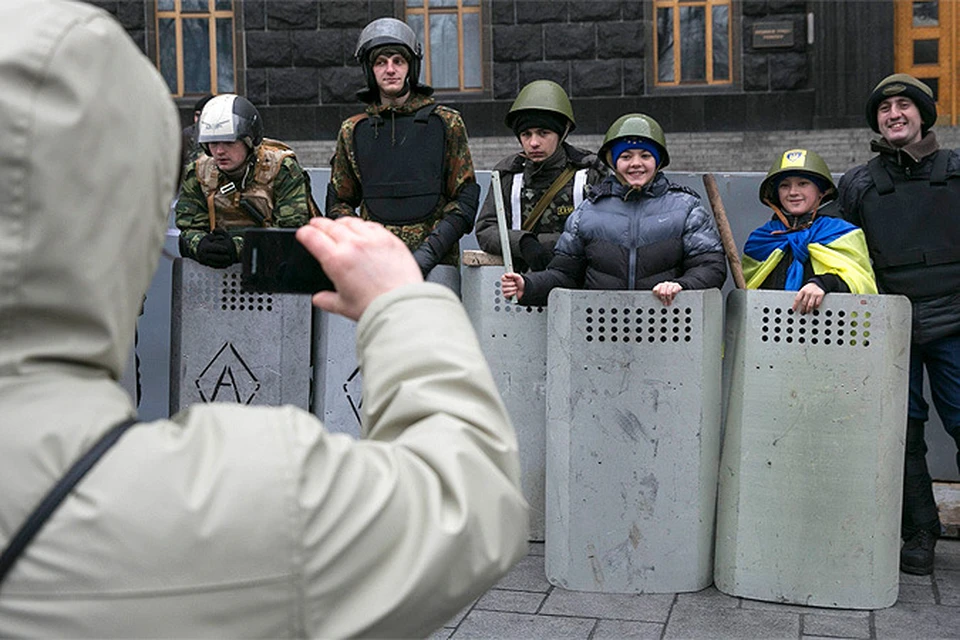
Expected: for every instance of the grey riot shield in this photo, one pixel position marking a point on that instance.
(633, 440)
(338, 381)
(230, 346)
(514, 340)
(810, 480)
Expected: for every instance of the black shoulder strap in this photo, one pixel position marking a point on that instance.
(938, 174)
(423, 113)
(881, 178)
(35, 521)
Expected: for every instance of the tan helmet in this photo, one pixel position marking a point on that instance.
(635, 125)
(542, 95)
(797, 162)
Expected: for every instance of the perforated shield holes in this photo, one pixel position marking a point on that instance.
(837, 328)
(629, 324)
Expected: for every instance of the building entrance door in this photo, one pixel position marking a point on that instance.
(927, 33)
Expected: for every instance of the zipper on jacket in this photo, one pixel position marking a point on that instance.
(632, 273)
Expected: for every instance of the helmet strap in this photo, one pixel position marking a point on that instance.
(786, 221)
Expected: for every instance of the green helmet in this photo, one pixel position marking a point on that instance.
(797, 162)
(542, 95)
(634, 125)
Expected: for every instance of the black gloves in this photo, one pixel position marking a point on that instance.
(453, 226)
(217, 249)
(534, 254)
(426, 258)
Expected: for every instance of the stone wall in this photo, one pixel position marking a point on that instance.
(705, 151)
(781, 69)
(301, 51)
(296, 64)
(590, 48)
(132, 14)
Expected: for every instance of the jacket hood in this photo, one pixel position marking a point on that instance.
(411, 105)
(87, 171)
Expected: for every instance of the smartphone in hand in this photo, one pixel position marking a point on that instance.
(274, 261)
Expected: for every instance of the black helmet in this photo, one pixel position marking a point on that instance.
(229, 117)
(903, 84)
(384, 32)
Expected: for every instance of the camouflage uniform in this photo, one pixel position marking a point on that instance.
(537, 179)
(275, 185)
(345, 192)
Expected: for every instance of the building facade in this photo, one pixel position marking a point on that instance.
(697, 65)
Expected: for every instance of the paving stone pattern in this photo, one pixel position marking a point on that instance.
(524, 605)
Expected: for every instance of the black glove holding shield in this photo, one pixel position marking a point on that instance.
(217, 249)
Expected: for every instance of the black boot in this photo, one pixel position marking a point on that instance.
(916, 555)
(921, 521)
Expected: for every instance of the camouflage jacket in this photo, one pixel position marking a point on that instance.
(345, 192)
(537, 180)
(279, 194)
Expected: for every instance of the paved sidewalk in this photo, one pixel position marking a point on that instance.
(524, 605)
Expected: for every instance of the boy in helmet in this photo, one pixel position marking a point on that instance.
(243, 180)
(636, 230)
(404, 161)
(804, 248)
(542, 184)
(906, 200)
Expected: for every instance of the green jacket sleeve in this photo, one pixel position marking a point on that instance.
(192, 217)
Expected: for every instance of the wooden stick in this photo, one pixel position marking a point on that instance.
(723, 226)
(502, 224)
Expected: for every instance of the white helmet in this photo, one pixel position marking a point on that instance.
(229, 117)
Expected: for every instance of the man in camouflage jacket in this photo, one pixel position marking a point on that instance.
(405, 161)
(242, 180)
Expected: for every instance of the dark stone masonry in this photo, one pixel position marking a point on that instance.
(295, 61)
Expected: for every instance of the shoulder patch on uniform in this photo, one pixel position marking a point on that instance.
(440, 108)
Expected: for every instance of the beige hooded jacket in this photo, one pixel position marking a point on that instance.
(227, 520)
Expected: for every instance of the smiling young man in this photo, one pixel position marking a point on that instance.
(542, 184)
(404, 162)
(906, 200)
(242, 180)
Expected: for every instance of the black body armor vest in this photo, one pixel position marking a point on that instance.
(913, 230)
(401, 165)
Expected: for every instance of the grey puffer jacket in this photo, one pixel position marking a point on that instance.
(625, 238)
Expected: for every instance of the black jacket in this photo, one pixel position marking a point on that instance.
(934, 316)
